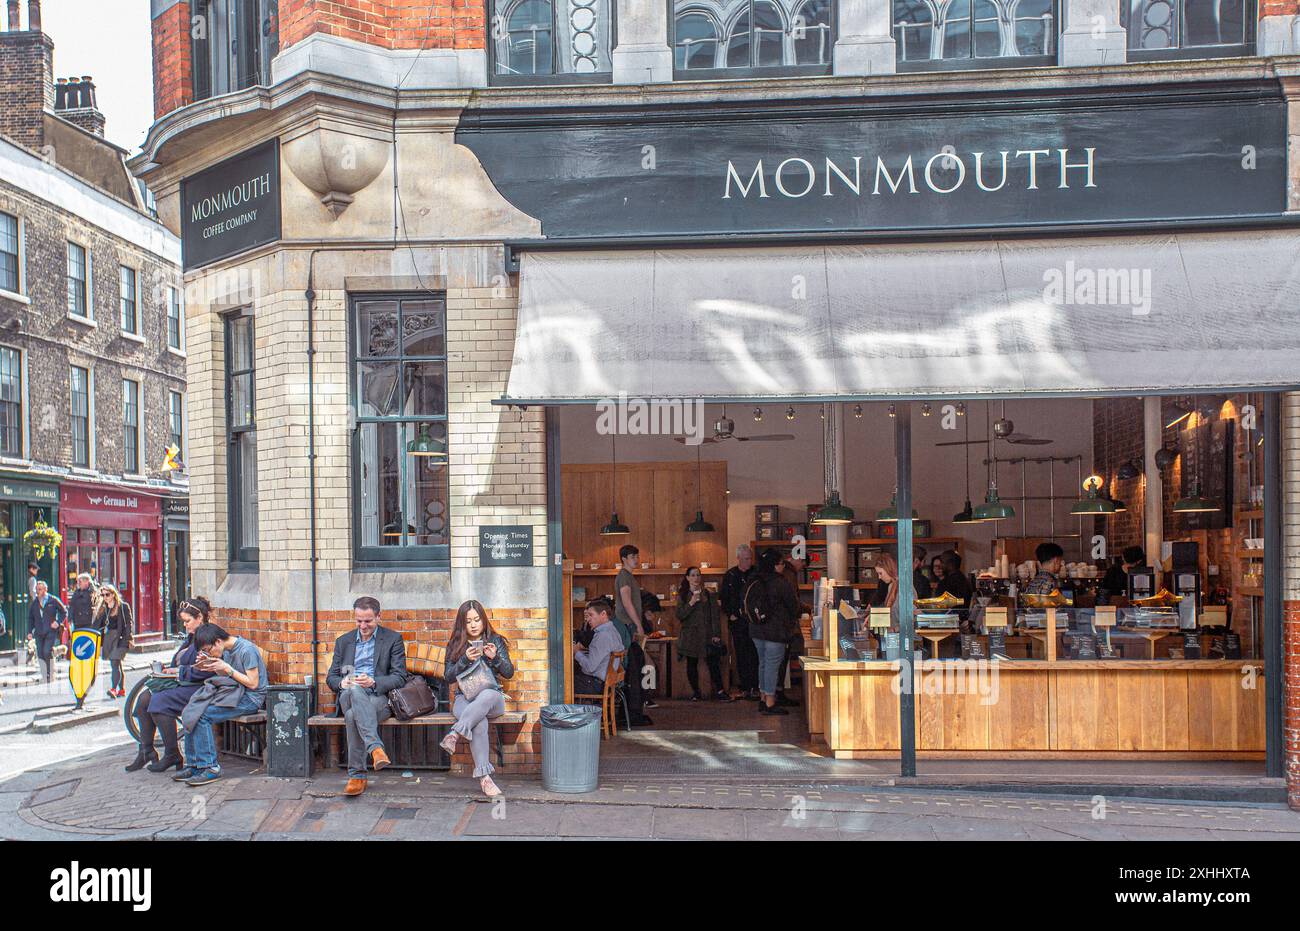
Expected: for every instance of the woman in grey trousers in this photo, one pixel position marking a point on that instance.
(482, 655)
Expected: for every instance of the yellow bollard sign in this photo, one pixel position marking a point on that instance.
(83, 657)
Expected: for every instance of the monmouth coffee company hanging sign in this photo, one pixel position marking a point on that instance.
(885, 164)
(231, 207)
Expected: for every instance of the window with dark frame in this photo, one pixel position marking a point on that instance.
(232, 43)
(1188, 28)
(734, 37)
(11, 402)
(550, 41)
(10, 278)
(79, 380)
(127, 292)
(174, 335)
(931, 34)
(241, 437)
(401, 491)
(130, 426)
(176, 422)
(78, 305)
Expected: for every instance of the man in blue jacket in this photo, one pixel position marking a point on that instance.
(45, 617)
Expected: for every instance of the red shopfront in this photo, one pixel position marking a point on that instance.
(115, 534)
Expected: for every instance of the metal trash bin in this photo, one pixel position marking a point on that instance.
(570, 748)
(288, 742)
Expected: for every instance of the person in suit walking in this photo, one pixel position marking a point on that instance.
(368, 664)
(45, 617)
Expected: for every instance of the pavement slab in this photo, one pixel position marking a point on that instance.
(519, 819)
(622, 821)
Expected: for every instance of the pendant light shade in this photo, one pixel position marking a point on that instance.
(615, 527)
(992, 508)
(966, 515)
(889, 515)
(425, 445)
(699, 525)
(833, 513)
(1194, 503)
(1092, 502)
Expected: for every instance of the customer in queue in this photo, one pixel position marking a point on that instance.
(732, 593)
(700, 614)
(772, 606)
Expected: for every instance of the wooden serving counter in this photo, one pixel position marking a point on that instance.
(1040, 709)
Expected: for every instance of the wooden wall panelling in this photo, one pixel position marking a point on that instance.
(1086, 711)
(1020, 719)
(1152, 709)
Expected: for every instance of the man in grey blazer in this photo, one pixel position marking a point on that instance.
(368, 664)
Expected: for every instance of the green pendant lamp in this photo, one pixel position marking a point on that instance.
(889, 515)
(966, 515)
(1092, 503)
(993, 508)
(833, 513)
(1194, 503)
(615, 527)
(425, 445)
(699, 525)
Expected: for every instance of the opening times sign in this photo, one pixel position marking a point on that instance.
(231, 207)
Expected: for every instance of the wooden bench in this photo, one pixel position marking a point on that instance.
(245, 734)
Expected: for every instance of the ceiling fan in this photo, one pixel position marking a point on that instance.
(724, 428)
(1004, 429)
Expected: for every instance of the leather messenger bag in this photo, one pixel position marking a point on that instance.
(414, 699)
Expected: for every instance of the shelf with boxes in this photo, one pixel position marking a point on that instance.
(862, 553)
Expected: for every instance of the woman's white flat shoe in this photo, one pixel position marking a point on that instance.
(489, 787)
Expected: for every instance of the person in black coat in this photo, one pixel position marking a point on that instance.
(81, 603)
(114, 619)
(46, 616)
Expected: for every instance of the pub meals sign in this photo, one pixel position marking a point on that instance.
(846, 165)
(231, 207)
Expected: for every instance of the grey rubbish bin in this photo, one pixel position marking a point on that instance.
(570, 748)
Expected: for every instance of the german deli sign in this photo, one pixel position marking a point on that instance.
(846, 165)
(231, 207)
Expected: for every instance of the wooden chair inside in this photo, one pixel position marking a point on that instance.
(613, 679)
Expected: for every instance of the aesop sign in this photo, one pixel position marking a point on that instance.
(231, 207)
(851, 165)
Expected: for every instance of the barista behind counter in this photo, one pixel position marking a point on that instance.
(1115, 583)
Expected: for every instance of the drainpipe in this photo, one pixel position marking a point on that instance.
(1153, 497)
(310, 295)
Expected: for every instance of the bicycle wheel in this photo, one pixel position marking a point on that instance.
(128, 710)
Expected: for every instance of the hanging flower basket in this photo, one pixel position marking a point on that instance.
(43, 537)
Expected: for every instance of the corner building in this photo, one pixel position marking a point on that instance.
(399, 217)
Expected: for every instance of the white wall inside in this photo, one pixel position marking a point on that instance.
(790, 473)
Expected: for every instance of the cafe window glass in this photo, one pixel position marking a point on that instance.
(1188, 28)
(128, 294)
(131, 426)
(80, 400)
(550, 41)
(399, 392)
(241, 439)
(11, 402)
(729, 38)
(232, 43)
(78, 278)
(176, 422)
(10, 277)
(932, 34)
(174, 333)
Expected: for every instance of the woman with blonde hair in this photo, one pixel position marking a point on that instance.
(886, 592)
(114, 619)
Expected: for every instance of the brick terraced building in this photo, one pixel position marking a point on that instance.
(423, 228)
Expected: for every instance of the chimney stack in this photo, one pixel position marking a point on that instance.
(33, 15)
(14, 24)
(26, 77)
(74, 100)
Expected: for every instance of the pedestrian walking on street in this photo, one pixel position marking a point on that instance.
(158, 709)
(118, 627)
(81, 603)
(45, 618)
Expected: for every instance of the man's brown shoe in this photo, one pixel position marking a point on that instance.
(355, 787)
(379, 759)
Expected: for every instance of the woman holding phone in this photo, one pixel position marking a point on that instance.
(477, 659)
(157, 710)
(700, 614)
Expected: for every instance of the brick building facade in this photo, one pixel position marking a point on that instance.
(67, 198)
(377, 198)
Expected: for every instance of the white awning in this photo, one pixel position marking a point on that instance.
(1084, 315)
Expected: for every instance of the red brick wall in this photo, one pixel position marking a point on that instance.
(1291, 699)
(286, 636)
(1278, 7)
(26, 86)
(173, 85)
(392, 24)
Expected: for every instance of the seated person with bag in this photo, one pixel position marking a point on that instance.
(237, 687)
(368, 664)
(477, 657)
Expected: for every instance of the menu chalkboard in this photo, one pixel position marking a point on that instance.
(1210, 444)
(1105, 650)
(892, 641)
(1083, 646)
(1232, 646)
(972, 647)
(1191, 644)
(505, 546)
(998, 642)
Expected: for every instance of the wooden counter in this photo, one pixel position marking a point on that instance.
(1116, 709)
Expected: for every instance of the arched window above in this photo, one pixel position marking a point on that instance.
(767, 37)
(953, 34)
(550, 41)
(1188, 28)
